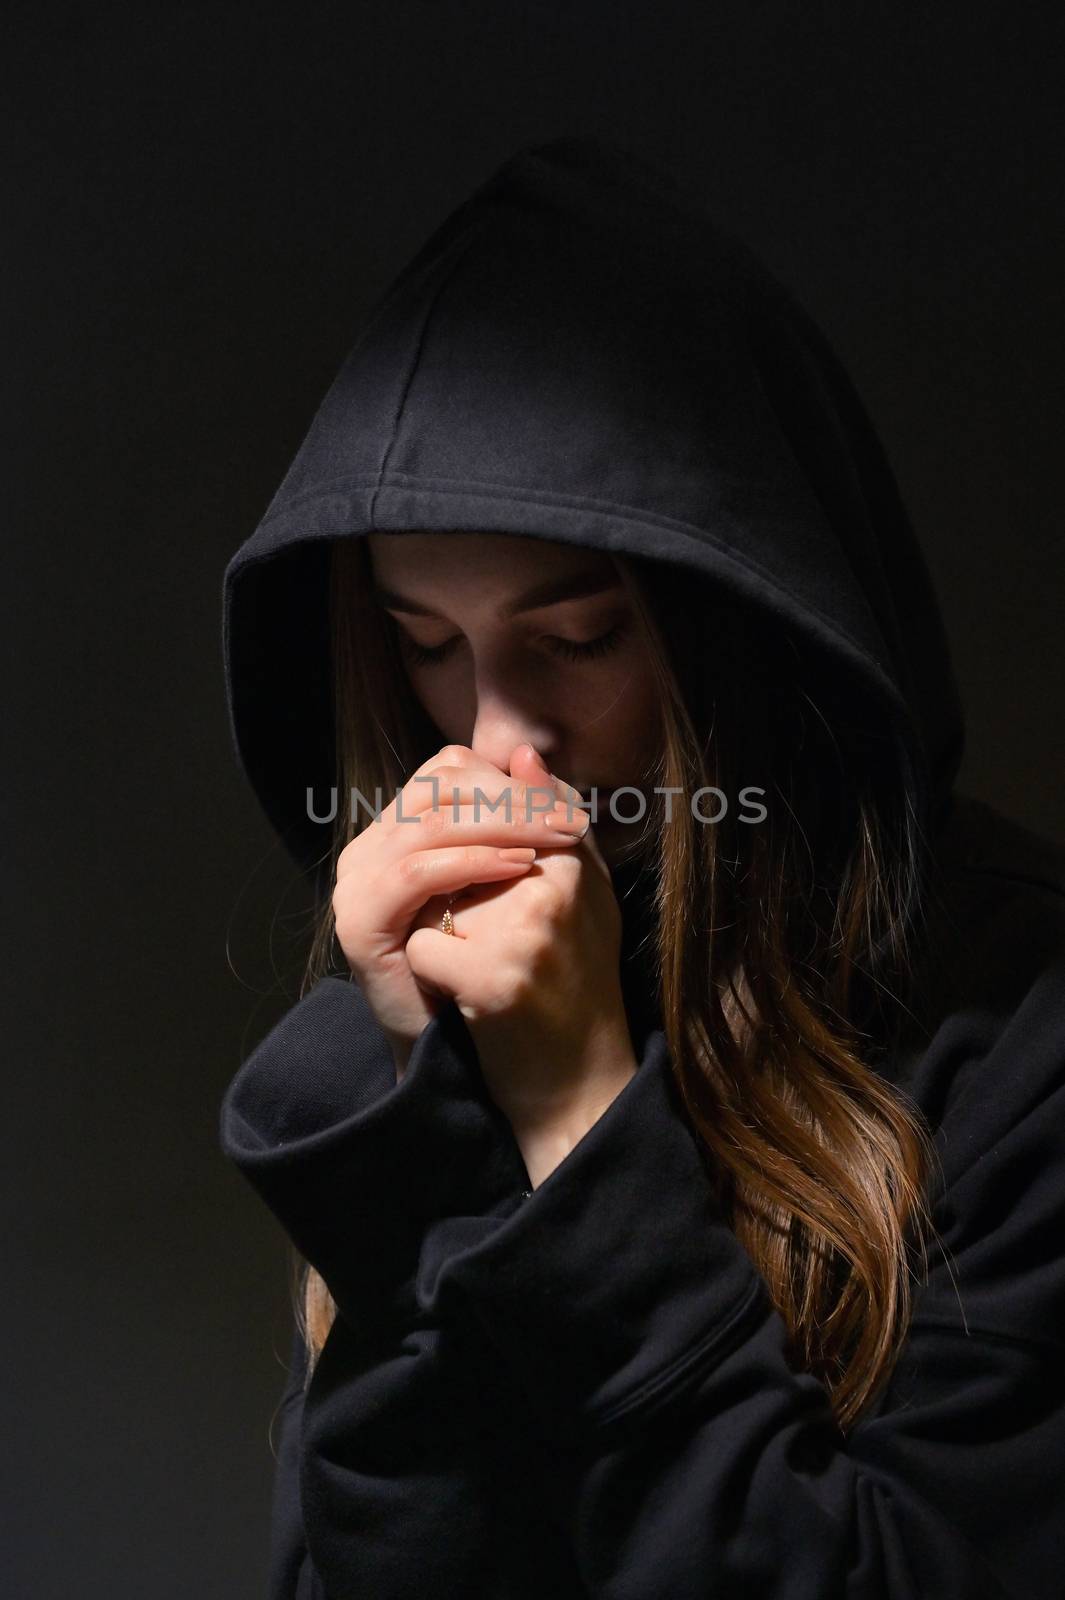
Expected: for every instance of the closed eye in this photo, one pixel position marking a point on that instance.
(571, 650)
(421, 655)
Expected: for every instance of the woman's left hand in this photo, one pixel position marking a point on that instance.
(534, 967)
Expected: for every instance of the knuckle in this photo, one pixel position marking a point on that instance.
(533, 799)
(345, 922)
(457, 755)
(550, 897)
(435, 821)
(518, 808)
(521, 988)
(448, 779)
(533, 937)
(411, 867)
(346, 857)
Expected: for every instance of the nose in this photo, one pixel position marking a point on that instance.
(502, 720)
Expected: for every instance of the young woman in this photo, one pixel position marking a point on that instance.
(677, 1195)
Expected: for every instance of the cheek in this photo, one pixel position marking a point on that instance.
(631, 724)
(442, 702)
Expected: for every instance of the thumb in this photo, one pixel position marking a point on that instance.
(528, 767)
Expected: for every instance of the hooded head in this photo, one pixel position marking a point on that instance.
(579, 353)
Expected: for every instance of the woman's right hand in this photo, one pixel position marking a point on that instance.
(390, 871)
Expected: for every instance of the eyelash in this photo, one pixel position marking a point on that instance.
(423, 655)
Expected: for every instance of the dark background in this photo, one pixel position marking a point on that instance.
(200, 205)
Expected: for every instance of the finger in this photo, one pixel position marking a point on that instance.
(457, 785)
(454, 763)
(466, 795)
(453, 776)
(477, 824)
(528, 766)
(453, 755)
(439, 961)
(416, 793)
(432, 915)
(399, 893)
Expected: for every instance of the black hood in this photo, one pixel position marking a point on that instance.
(580, 353)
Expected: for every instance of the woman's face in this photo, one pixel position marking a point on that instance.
(508, 639)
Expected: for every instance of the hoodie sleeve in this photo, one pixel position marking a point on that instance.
(397, 1468)
(699, 1460)
(355, 1166)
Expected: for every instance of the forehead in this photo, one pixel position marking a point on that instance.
(421, 563)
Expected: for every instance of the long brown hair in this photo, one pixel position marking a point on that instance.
(784, 953)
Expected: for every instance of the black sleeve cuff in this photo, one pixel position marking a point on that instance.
(355, 1166)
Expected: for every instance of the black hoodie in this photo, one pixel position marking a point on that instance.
(585, 1389)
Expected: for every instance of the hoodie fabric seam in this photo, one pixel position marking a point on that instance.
(702, 536)
(693, 1362)
(363, 480)
(461, 248)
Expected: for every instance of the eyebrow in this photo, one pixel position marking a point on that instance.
(574, 586)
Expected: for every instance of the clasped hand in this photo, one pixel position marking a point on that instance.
(534, 962)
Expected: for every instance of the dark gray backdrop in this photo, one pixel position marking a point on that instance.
(202, 203)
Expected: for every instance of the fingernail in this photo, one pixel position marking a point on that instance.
(568, 822)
